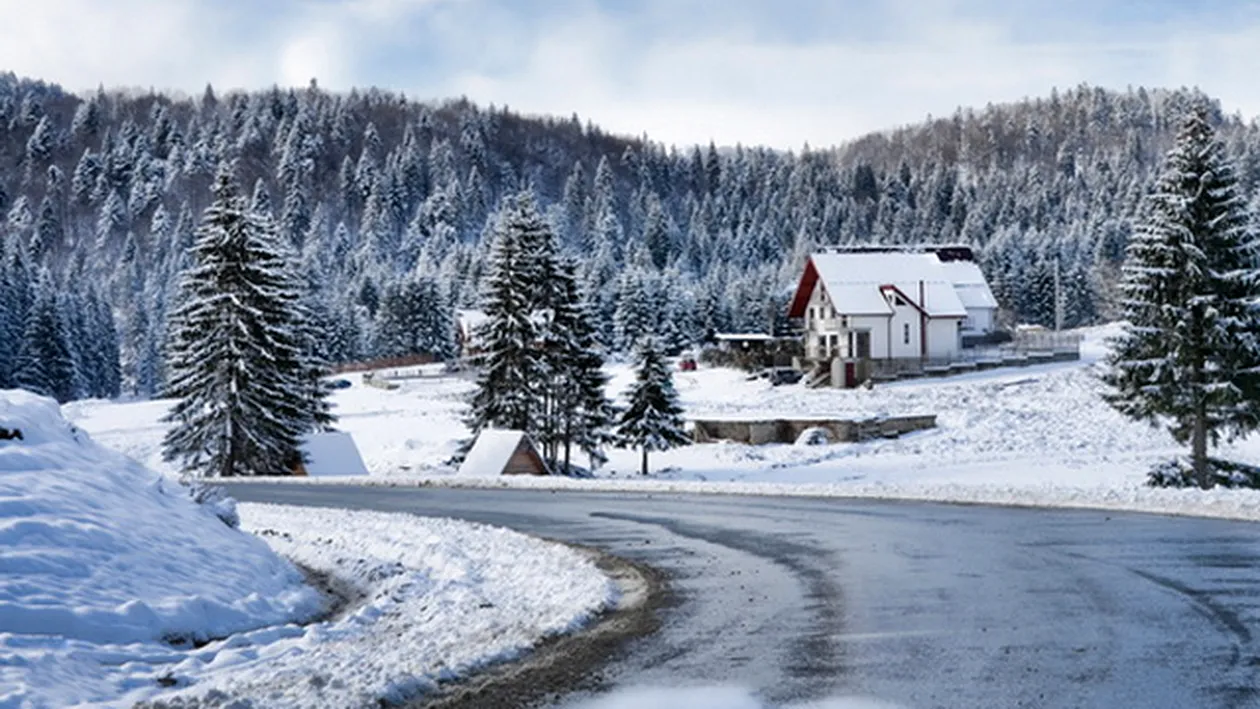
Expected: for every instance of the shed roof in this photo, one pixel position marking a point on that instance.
(969, 283)
(332, 453)
(491, 452)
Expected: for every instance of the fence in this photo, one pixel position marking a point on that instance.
(1026, 348)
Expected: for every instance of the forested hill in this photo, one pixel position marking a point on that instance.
(376, 191)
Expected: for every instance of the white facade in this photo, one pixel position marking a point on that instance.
(973, 291)
(888, 306)
(897, 334)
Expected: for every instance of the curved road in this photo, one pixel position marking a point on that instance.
(920, 605)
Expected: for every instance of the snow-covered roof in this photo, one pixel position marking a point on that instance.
(332, 453)
(969, 283)
(471, 319)
(489, 456)
(853, 282)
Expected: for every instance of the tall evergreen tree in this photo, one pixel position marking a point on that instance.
(584, 415)
(507, 386)
(652, 420)
(1189, 354)
(236, 359)
(45, 361)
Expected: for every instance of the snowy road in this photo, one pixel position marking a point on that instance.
(919, 605)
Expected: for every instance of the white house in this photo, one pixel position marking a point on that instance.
(890, 303)
(973, 291)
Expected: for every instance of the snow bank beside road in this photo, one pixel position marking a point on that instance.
(100, 553)
(439, 599)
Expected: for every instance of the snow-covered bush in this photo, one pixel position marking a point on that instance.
(1179, 473)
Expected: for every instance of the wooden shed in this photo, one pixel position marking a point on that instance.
(503, 453)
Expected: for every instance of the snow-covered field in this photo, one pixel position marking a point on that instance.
(1034, 435)
(117, 588)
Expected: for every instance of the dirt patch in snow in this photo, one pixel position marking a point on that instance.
(564, 664)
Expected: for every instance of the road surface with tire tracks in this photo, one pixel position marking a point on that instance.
(919, 605)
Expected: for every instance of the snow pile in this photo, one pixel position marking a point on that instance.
(106, 563)
(439, 598)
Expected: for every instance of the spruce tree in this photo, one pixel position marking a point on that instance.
(45, 361)
(652, 420)
(584, 415)
(236, 359)
(507, 386)
(1189, 354)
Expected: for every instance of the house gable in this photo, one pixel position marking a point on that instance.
(855, 284)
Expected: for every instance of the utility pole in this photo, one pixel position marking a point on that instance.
(1058, 297)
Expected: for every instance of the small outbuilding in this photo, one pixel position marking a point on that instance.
(503, 453)
(331, 453)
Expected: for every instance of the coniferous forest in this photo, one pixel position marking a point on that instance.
(389, 204)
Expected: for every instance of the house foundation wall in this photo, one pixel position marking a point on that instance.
(761, 432)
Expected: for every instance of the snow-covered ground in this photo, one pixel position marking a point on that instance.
(1033, 435)
(108, 569)
(117, 588)
(438, 599)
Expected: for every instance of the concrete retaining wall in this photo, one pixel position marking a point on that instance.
(759, 432)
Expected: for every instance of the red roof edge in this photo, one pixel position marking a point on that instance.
(890, 287)
(803, 290)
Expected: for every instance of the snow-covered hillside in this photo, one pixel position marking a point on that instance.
(108, 567)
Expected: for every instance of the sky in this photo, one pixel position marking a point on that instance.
(782, 73)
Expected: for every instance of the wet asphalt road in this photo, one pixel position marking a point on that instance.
(920, 605)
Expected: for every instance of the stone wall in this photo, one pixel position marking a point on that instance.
(759, 432)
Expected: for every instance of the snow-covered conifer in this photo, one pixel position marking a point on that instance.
(1189, 355)
(652, 419)
(236, 358)
(45, 362)
(507, 387)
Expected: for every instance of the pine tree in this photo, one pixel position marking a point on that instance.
(236, 359)
(633, 318)
(1189, 353)
(507, 387)
(652, 420)
(45, 362)
(584, 414)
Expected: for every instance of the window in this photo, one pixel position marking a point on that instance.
(844, 322)
(811, 314)
(905, 332)
(833, 312)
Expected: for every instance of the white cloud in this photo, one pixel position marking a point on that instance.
(735, 89)
(696, 81)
